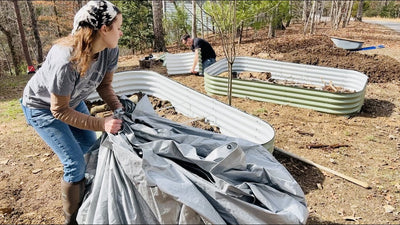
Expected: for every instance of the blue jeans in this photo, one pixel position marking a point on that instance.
(208, 62)
(68, 142)
(205, 64)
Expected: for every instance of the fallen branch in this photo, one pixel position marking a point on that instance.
(326, 146)
(305, 133)
(351, 179)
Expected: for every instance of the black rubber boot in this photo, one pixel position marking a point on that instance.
(71, 196)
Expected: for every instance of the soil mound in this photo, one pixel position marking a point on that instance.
(320, 51)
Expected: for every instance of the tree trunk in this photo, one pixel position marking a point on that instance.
(337, 13)
(290, 13)
(311, 19)
(22, 34)
(79, 4)
(312, 16)
(230, 78)
(194, 24)
(240, 32)
(360, 10)
(385, 2)
(332, 10)
(345, 13)
(274, 21)
(231, 53)
(202, 22)
(56, 16)
(35, 32)
(348, 16)
(7, 61)
(159, 42)
(271, 27)
(15, 59)
(320, 11)
(306, 4)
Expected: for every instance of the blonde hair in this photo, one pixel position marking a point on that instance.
(82, 45)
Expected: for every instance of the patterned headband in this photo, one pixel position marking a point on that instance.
(94, 15)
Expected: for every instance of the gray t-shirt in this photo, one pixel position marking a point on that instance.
(59, 77)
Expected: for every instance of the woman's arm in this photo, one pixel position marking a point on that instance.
(59, 106)
(107, 93)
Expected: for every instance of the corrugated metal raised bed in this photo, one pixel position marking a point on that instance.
(299, 95)
(181, 63)
(231, 121)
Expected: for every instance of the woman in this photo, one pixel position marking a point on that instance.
(53, 99)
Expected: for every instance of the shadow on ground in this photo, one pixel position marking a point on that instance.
(306, 175)
(315, 220)
(376, 108)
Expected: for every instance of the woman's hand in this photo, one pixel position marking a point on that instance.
(112, 125)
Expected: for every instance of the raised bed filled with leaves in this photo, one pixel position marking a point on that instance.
(324, 89)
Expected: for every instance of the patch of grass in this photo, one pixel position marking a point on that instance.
(347, 133)
(371, 138)
(10, 110)
(260, 111)
(11, 87)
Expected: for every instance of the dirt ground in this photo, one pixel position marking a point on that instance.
(364, 146)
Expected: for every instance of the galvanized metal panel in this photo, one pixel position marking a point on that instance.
(319, 100)
(231, 121)
(181, 63)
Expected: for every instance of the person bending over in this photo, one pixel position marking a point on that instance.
(53, 99)
(207, 52)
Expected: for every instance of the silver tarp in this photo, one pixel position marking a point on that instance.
(156, 171)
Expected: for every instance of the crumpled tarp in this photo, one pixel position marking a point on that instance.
(158, 171)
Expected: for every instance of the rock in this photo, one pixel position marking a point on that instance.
(4, 161)
(388, 208)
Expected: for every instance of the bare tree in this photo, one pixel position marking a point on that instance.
(223, 13)
(56, 17)
(360, 10)
(320, 10)
(290, 13)
(311, 18)
(204, 19)
(14, 56)
(202, 22)
(306, 5)
(7, 61)
(337, 15)
(7, 27)
(194, 22)
(331, 11)
(22, 34)
(35, 32)
(159, 42)
(348, 13)
(274, 21)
